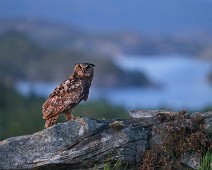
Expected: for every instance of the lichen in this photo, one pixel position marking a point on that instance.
(117, 125)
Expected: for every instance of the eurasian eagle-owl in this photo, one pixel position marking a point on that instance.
(68, 94)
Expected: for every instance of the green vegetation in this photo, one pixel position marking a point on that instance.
(100, 109)
(116, 166)
(19, 115)
(206, 161)
(109, 164)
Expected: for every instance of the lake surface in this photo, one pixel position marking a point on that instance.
(183, 79)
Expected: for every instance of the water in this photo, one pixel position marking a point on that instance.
(184, 82)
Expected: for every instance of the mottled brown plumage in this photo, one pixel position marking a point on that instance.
(68, 94)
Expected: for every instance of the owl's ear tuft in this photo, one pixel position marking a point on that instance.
(92, 65)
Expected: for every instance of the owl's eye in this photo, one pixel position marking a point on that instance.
(87, 68)
(80, 67)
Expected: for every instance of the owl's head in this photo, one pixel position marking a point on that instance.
(84, 70)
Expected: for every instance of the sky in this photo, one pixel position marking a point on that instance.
(145, 16)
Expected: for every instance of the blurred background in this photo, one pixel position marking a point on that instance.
(148, 54)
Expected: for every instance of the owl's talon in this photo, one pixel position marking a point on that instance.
(73, 118)
(69, 116)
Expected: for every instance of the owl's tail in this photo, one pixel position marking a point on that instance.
(51, 121)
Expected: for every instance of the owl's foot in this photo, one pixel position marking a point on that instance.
(69, 116)
(51, 121)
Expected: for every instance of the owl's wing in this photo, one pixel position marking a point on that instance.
(65, 96)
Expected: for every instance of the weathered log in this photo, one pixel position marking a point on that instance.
(84, 143)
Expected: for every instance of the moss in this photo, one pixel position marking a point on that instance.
(110, 163)
(178, 134)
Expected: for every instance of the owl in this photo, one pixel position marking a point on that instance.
(68, 94)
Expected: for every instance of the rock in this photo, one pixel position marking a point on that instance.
(191, 160)
(146, 113)
(208, 124)
(149, 117)
(86, 143)
(82, 143)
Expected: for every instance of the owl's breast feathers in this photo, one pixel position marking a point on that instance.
(65, 96)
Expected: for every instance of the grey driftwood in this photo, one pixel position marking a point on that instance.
(84, 143)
